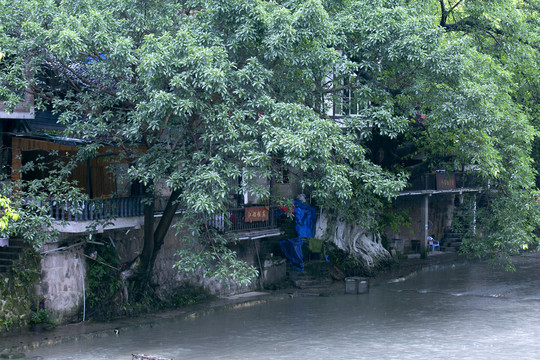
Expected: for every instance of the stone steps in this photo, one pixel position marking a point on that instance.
(309, 283)
(5, 265)
(315, 276)
(14, 255)
(453, 234)
(10, 254)
(448, 249)
(451, 242)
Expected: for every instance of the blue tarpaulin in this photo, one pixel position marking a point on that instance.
(305, 218)
(292, 248)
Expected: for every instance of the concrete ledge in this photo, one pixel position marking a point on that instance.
(79, 227)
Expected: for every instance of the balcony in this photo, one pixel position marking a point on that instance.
(97, 209)
(444, 182)
(80, 216)
(249, 222)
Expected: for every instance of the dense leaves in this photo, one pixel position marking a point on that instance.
(219, 90)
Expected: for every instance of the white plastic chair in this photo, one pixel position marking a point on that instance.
(433, 243)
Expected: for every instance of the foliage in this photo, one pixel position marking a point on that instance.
(186, 295)
(504, 229)
(205, 251)
(30, 201)
(394, 219)
(8, 215)
(17, 300)
(103, 283)
(219, 90)
(42, 316)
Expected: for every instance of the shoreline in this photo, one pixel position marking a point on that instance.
(16, 343)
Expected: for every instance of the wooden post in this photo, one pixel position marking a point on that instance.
(89, 179)
(425, 220)
(16, 163)
(474, 215)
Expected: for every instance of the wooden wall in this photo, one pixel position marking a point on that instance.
(103, 182)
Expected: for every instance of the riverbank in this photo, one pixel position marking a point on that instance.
(16, 343)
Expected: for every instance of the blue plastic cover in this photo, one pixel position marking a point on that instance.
(292, 248)
(305, 218)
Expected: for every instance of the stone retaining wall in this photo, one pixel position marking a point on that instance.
(63, 276)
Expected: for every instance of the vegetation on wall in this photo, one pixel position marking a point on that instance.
(103, 297)
(42, 316)
(106, 296)
(16, 297)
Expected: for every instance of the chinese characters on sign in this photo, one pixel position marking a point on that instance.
(259, 213)
(445, 181)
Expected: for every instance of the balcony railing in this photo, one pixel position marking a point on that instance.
(238, 219)
(445, 181)
(244, 219)
(97, 209)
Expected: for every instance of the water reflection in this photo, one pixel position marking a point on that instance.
(465, 312)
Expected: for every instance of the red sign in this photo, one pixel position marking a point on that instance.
(259, 213)
(445, 181)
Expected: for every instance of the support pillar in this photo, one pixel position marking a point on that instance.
(474, 215)
(425, 220)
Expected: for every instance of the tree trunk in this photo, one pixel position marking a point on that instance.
(164, 226)
(141, 270)
(148, 238)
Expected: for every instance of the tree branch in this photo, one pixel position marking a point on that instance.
(468, 24)
(444, 13)
(455, 5)
(165, 122)
(85, 80)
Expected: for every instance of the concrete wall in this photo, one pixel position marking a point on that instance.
(64, 269)
(63, 274)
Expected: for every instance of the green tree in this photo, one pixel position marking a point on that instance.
(213, 90)
(469, 67)
(216, 90)
(503, 38)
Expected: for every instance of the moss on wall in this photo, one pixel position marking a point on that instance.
(17, 297)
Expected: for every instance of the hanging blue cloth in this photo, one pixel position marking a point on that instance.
(292, 248)
(305, 218)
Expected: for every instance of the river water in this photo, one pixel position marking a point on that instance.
(461, 312)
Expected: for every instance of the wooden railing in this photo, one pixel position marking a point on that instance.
(97, 209)
(235, 220)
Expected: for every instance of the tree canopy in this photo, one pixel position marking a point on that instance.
(221, 89)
